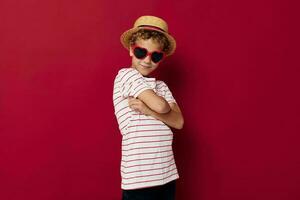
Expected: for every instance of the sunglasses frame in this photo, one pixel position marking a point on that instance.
(148, 53)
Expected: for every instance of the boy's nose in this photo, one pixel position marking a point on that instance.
(147, 59)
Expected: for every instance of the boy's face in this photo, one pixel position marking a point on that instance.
(145, 66)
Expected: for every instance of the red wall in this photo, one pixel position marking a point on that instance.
(235, 75)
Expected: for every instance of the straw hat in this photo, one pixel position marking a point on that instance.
(150, 23)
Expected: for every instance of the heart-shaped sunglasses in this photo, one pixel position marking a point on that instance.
(141, 53)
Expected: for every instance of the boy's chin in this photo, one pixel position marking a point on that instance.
(143, 71)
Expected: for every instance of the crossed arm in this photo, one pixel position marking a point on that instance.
(148, 103)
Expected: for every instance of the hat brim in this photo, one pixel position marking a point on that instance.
(126, 36)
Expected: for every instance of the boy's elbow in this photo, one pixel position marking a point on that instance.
(180, 124)
(180, 127)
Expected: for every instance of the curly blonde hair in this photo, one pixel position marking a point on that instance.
(155, 35)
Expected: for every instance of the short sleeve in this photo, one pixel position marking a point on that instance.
(132, 83)
(164, 91)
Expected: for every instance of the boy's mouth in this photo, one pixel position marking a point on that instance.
(145, 66)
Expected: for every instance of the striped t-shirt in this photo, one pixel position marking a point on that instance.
(147, 155)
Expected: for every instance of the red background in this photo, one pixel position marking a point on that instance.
(235, 75)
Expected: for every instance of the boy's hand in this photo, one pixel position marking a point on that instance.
(139, 106)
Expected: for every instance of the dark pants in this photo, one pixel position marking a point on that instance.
(163, 192)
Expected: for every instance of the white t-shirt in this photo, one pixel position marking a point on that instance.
(147, 155)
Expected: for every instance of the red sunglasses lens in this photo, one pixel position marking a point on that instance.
(157, 56)
(140, 52)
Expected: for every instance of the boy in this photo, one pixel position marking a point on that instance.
(145, 110)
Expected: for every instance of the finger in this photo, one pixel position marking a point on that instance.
(135, 108)
(133, 104)
(133, 101)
